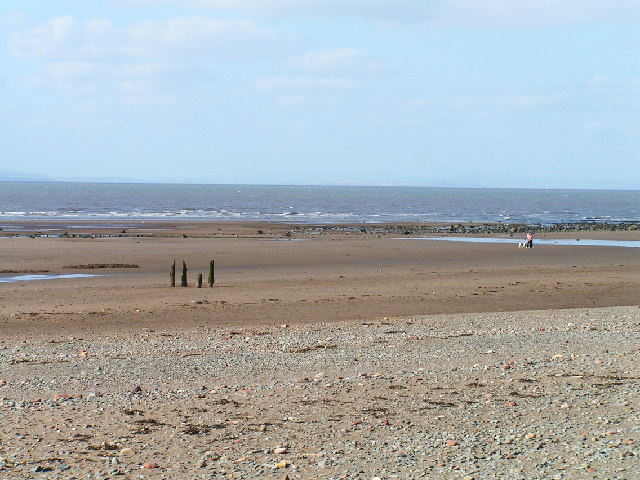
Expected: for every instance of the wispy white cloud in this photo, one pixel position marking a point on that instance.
(535, 13)
(613, 82)
(67, 71)
(291, 85)
(509, 13)
(77, 57)
(65, 38)
(522, 100)
(338, 61)
(622, 91)
(595, 126)
(206, 36)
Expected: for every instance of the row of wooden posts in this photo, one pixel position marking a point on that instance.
(183, 280)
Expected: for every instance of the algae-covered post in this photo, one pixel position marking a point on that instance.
(212, 264)
(199, 280)
(172, 274)
(183, 282)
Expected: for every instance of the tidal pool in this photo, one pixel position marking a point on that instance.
(31, 277)
(586, 242)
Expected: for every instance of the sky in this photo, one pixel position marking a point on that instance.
(492, 93)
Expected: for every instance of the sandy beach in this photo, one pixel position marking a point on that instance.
(320, 352)
(290, 274)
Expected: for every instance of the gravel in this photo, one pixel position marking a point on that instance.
(538, 394)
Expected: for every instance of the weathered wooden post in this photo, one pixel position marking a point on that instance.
(172, 274)
(199, 280)
(184, 275)
(212, 264)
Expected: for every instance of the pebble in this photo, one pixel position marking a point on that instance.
(62, 396)
(398, 427)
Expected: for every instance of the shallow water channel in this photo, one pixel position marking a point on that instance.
(544, 241)
(31, 277)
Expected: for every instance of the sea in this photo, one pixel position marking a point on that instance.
(313, 204)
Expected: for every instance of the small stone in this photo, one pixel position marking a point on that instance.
(149, 465)
(62, 396)
(137, 389)
(564, 406)
(452, 443)
(280, 450)
(512, 403)
(126, 452)
(283, 464)
(201, 463)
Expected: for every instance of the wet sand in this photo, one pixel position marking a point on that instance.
(291, 274)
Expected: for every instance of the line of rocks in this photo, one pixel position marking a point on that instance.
(493, 228)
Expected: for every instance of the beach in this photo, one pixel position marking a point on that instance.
(321, 351)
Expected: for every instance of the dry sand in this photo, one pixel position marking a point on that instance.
(399, 359)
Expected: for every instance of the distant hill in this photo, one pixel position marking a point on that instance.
(6, 176)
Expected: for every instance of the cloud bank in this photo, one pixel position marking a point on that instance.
(487, 13)
(98, 38)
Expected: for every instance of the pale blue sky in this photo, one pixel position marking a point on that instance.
(497, 93)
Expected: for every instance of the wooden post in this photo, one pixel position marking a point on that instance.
(183, 283)
(172, 274)
(199, 280)
(212, 264)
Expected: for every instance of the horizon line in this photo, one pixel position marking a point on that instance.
(314, 184)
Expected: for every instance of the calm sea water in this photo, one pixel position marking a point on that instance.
(312, 204)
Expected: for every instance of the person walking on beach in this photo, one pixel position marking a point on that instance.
(529, 243)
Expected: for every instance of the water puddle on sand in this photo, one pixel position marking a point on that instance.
(537, 241)
(286, 239)
(28, 278)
